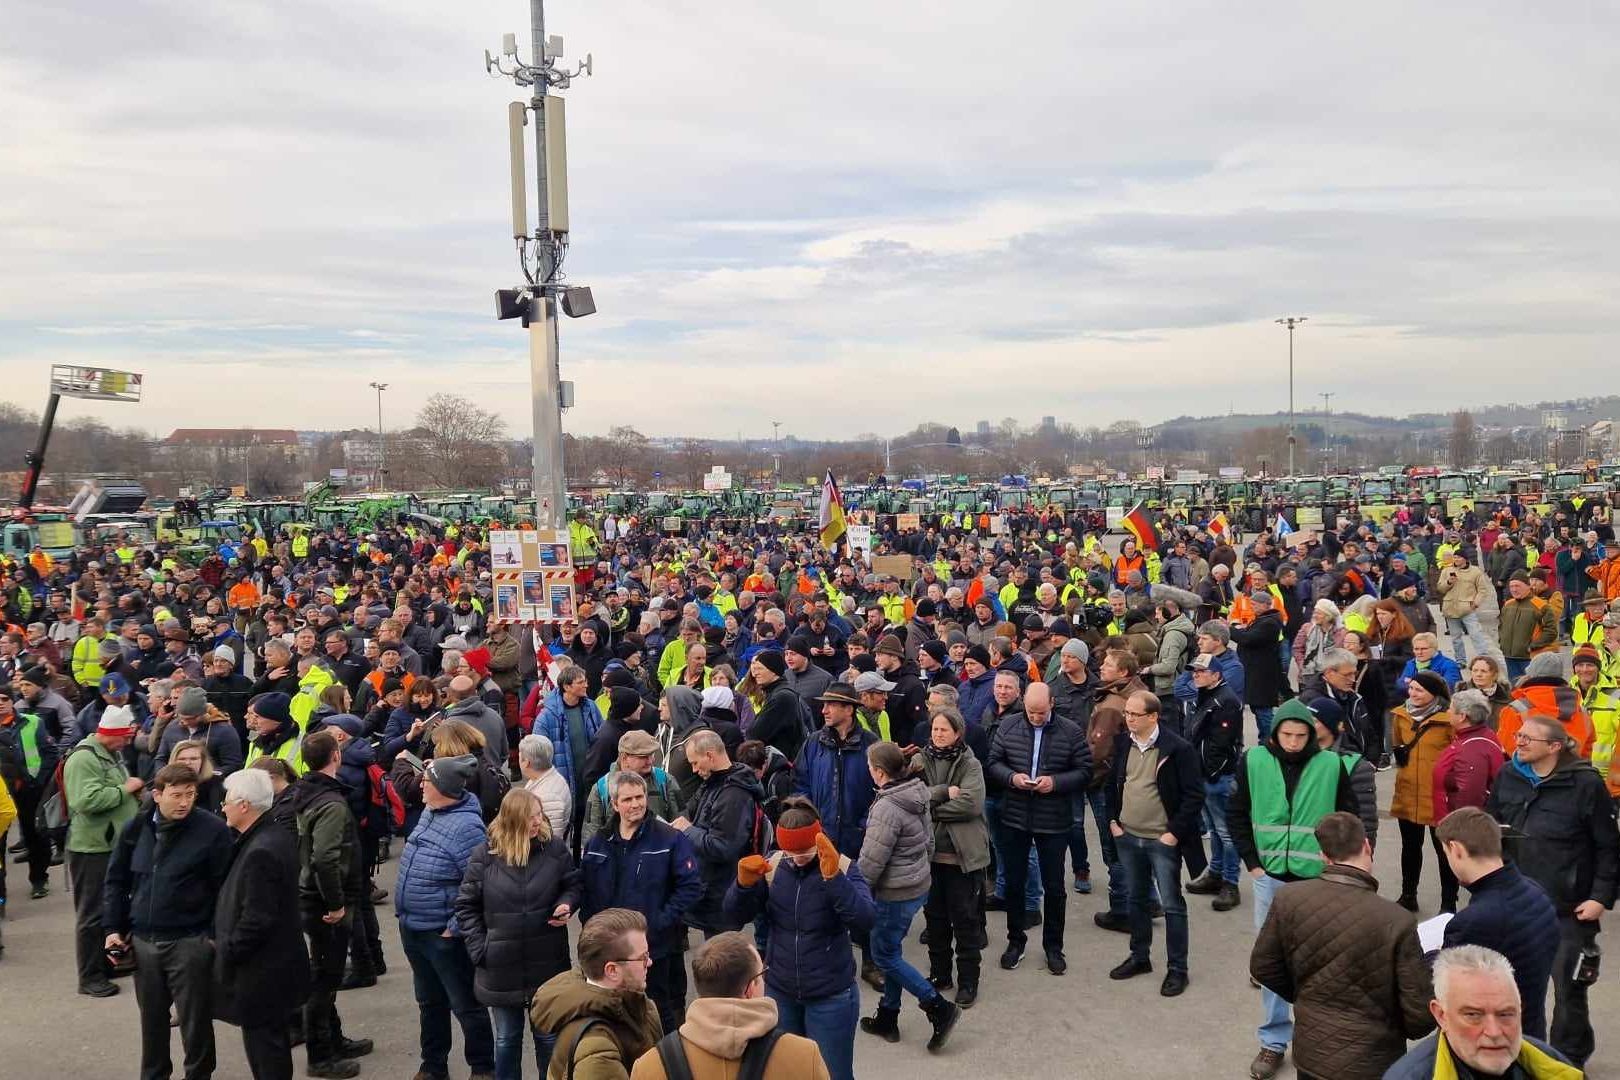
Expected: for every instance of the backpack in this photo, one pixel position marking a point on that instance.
(13, 762)
(672, 1055)
(53, 814)
(386, 813)
(762, 837)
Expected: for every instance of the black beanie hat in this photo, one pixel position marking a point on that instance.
(773, 661)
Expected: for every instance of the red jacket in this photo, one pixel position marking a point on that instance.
(1466, 770)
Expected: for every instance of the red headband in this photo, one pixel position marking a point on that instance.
(801, 839)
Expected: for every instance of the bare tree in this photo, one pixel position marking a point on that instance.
(455, 444)
(692, 461)
(1464, 439)
(624, 455)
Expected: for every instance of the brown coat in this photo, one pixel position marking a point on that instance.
(1414, 782)
(1108, 720)
(716, 1033)
(567, 1006)
(1350, 963)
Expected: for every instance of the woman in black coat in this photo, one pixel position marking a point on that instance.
(261, 966)
(516, 898)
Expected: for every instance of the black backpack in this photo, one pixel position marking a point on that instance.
(672, 1054)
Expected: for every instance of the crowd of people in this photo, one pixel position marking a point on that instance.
(760, 739)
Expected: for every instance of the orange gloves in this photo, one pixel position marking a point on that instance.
(751, 870)
(827, 852)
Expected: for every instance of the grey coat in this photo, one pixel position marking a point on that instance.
(899, 842)
(959, 821)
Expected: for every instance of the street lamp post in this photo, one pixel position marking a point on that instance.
(1291, 321)
(382, 445)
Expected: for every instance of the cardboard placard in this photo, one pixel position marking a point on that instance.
(902, 522)
(895, 566)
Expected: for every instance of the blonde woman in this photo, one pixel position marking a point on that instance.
(520, 889)
(210, 785)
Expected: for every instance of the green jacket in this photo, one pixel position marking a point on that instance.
(98, 805)
(959, 824)
(1526, 627)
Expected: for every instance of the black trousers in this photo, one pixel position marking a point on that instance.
(1571, 1031)
(328, 945)
(954, 914)
(1412, 863)
(39, 845)
(178, 972)
(666, 985)
(88, 874)
(269, 1051)
(1050, 848)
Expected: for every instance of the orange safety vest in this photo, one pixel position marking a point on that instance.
(1556, 699)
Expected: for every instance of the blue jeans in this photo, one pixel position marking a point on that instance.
(1516, 669)
(888, 937)
(828, 1022)
(992, 818)
(1277, 1023)
(1262, 722)
(1468, 628)
(1149, 863)
(1223, 854)
(1285, 656)
(511, 1021)
(442, 975)
(1081, 855)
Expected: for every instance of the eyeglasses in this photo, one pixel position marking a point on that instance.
(1519, 736)
(1138, 715)
(644, 958)
(763, 968)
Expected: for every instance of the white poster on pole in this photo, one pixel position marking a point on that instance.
(860, 536)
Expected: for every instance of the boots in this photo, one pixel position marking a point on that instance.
(943, 1015)
(870, 974)
(885, 1024)
(1205, 884)
(1228, 898)
(967, 987)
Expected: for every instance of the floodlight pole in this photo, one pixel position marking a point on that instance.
(1291, 322)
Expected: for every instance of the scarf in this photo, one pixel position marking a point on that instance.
(948, 753)
(1422, 713)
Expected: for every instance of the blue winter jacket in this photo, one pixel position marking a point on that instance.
(810, 918)
(1511, 914)
(1441, 664)
(433, 864)
(552, 724)
(974, 696)
(655, 872)
(832, 772)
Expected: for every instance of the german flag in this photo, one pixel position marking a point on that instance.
(1140, 525)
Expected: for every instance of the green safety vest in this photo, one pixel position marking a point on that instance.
(290, 751)
(28, 740)
(1284, 831)
(877, 725)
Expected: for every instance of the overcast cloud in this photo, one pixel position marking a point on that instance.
(845, 216)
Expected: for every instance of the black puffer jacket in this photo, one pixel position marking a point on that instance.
(1215, 727)
(721, 832)
(1065, 757)
(504, 912)
(1569, 844)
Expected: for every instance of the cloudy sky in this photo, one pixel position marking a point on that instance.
(847, 216)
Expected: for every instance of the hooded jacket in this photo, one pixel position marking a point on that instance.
(553, 724)
(93, 779)
(434, 862)
(330, 875)
(628, 1027)
(717, 1032)
(1546, 695)
(899, 842)
(490, 724)
(684, 709)
(832, 772)
(215, 728)
(1414, 797)
(1239, 811)
(721, 832)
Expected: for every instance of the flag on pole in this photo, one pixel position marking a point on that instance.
(1283, 528)
(831, 518)
(1218, 527)
(1140, 525)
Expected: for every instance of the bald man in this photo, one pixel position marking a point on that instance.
(1039, 761)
